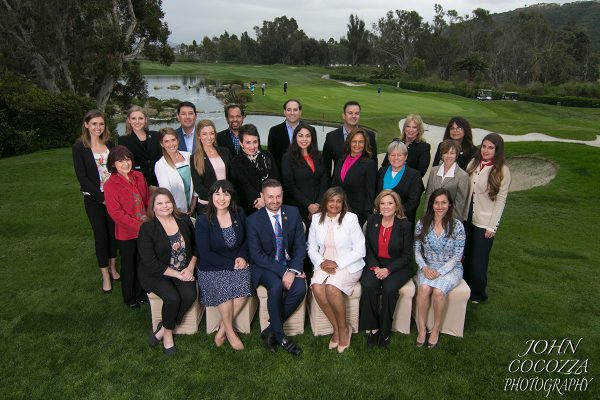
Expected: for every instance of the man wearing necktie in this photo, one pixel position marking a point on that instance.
(277, 249)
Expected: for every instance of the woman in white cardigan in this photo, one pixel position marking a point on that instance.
(336, 247)
(488, 188)
(173, 171)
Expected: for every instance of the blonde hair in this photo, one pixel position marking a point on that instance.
(131, 110)
(399, 207)
(420, 128)
(199, 152)
(161, 135)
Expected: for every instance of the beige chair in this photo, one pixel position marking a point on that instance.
(402, 313)
(320, 325)
(295, 323)
(241, 323)
(191, 319)
(453, 321)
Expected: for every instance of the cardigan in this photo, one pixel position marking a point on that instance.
(120, 203)
(87, 171)
(486, 213)
(169, 178)
(213, 253)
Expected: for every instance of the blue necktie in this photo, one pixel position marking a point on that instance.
(279, 251)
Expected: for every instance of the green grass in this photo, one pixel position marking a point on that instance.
(61, 338)
(322, 100)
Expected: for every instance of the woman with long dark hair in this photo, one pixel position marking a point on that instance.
(459, 130)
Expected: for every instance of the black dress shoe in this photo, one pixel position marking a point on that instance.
(384, 341)
(171, 351)
(290, 347)
(269, 340)
(134, 306)
(152, 339)
(372, 339)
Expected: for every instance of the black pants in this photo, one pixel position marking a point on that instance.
(372, 315)
(104, 230)
(477, 257)
(130, 285)
(177, 297)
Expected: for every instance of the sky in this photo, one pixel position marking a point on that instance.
(320, 19)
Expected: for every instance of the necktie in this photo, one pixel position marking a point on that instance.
(279, 251)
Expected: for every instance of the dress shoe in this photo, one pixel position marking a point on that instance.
(170, 351)
(152, 339)
(341, 348)
(384, 341)
(372, 339)
(419, 344)
(290, 347)
(269, 340)
(432, 345)
(332, 344)
(144, 300)
(134, 306)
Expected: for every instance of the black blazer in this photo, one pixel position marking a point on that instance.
(154, 250)
(247, 181)
(333, 148)
(419, 155)
(302, 187)
(462, 160)
(409, 188)
(359, 185)
(224, 140)
(87, 171)
(400, 246)
(278, 142)
(203, 183)
(145, 155)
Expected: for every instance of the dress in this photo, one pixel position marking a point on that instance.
(441, 253)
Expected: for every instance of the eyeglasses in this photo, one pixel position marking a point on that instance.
(456, 128)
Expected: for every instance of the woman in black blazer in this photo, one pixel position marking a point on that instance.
(356, 173)
(419, 151)
(142, 143)
(459, 130)
(389, 243)
(402, 179)
(167, 261)
(209, 163)
(303, 172)
(90, 153)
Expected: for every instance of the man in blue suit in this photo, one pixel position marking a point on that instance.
(277, 248)
(186, 133)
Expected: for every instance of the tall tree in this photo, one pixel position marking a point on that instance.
(357, 40)
(398, 35)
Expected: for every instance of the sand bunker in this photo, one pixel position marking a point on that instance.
(530, 171)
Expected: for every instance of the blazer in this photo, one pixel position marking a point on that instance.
(182, 145)
(154, 250)
(278, 142)
(203, 183)
(224, 140)
(458, 186)
(486, 213)
(262, 247)
(247, 181)
(419, 156)
(144, 155)
(462, 160)
(169, 178)
(120, 203)
(333, 148)
(302, 186)
(400, 245)
(359, 185)
(213, 254)
(349, 243)
(86, 170)
(409, 188)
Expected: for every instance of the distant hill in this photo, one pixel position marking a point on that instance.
(584, 14)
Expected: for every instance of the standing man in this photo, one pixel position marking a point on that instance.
(285, 87)
(333, 148)
(277, 248)
(280, 135)
(229, 137)
(263, 87)
(186, 115)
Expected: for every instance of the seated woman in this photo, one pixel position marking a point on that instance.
(250, 169)
(223, 273)
(389, 241)
(402, 179)
(439, 245)
(419, 151)
(450, 176)
(356, 174)
(336, 247)
(167, 261)
(173, 171)
(459, 130)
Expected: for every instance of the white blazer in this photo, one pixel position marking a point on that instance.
(349, 243)
(169, 178)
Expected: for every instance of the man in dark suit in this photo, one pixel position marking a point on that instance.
(333, 148)
(229, 138)
(277, 248)
(186, 133)
(280, 135)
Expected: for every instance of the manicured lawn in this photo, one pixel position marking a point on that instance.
(63, 339)
(323, 100)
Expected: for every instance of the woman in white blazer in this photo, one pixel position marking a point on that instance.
(336, 247)
(173, 171)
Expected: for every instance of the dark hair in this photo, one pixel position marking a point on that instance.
(427, 220)
(117, 153)
(367, 150)
(186, 104)
(313, 149)
(270, 183)
(154, 194)
(249, 129)
(328, 195)
(161, 135)
(496, 175)
(351, 103)
(85, 133)
(297, 101)
(233, 105)
(448, 144)
(467, 143)
(226, 187)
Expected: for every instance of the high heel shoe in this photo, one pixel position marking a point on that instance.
(341, 348)
(332, 344)
(152, 339)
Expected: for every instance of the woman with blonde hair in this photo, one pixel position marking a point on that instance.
(419, 151)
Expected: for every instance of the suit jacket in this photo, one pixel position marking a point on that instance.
(462, 160)
(409, 188)
(400, 245)
(278, 142)
(333, 148)
(349, 243)
(182, 145)
(87, 171)
(224, 140)
(359, 185)
(458, 186)
(419, 155)
(203, 183)
(144, 155)
(302, 186)
(247, 181)
(213, 254)
(262, 247)
(154, 250)
(121, 205)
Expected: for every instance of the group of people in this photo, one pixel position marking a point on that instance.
(259, 213)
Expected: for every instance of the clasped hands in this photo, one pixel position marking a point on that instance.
(329, 267)
(381, 273)
(186, 275)
(430, 273)
(240, 263)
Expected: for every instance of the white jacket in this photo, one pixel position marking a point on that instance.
(169, 178)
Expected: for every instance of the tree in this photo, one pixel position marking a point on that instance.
(276, 38)
(357, 41)
(83, 47)
(398, 35)
(472, 63)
